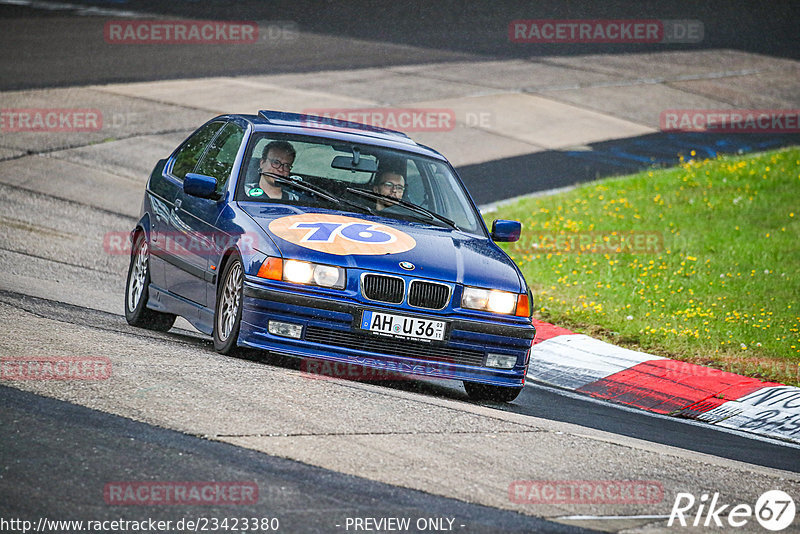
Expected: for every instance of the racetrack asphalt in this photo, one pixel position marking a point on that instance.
(526, 117)
(85, 450)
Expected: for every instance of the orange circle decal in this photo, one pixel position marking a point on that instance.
(340, 235)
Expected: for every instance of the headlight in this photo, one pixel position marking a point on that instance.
(328, 275)
(495, 301)
(303, 272)
(501, 302)
(299, 272)
(474, 298)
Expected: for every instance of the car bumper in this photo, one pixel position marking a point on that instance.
(330, 331)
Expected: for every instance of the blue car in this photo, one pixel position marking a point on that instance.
(334, 241)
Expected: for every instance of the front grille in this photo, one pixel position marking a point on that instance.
(381, 288)
(393, 346)
(428, 295)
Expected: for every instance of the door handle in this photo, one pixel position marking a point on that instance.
(178, 203)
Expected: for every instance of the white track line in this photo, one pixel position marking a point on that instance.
(592, 517)
(78, 9)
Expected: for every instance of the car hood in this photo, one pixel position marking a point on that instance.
(436, 252)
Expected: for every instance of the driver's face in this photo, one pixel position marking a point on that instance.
(391, 185)
(277, 162)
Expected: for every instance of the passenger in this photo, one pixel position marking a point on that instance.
(277, 158)
(389, 183)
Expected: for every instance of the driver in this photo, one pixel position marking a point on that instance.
(389, 182)
(277, 159)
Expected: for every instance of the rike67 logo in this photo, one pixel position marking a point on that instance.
(774, 510)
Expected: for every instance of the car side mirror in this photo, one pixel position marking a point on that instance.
(506, 231)
(200, 185)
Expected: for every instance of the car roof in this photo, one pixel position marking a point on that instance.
(331, 128)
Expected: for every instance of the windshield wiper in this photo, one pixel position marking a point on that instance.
(408, 205)
(308, 188)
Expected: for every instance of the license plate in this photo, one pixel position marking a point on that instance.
(402, 326)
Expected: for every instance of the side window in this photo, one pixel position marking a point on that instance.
(193, 148)
(221, 154)
(415, 190)
(452, 200)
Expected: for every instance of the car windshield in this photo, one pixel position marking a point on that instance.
(357, 178)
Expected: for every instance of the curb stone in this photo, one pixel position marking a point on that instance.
(577, 362)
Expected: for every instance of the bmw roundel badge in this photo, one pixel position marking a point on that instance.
(407, 265)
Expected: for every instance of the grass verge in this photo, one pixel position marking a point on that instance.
(699, 263)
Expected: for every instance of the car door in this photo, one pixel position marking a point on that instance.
(168, 254)
(194, 219)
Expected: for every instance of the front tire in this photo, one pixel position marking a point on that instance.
(137, 291)
(228, 310)
(485, 392)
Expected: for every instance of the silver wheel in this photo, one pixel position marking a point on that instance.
(138, 276)
(231, 299)
(137, 291)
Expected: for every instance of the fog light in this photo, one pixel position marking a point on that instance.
(501, 361)
(278, 328)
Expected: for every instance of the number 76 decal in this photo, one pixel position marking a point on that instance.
(341, 235)
(358, 232)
